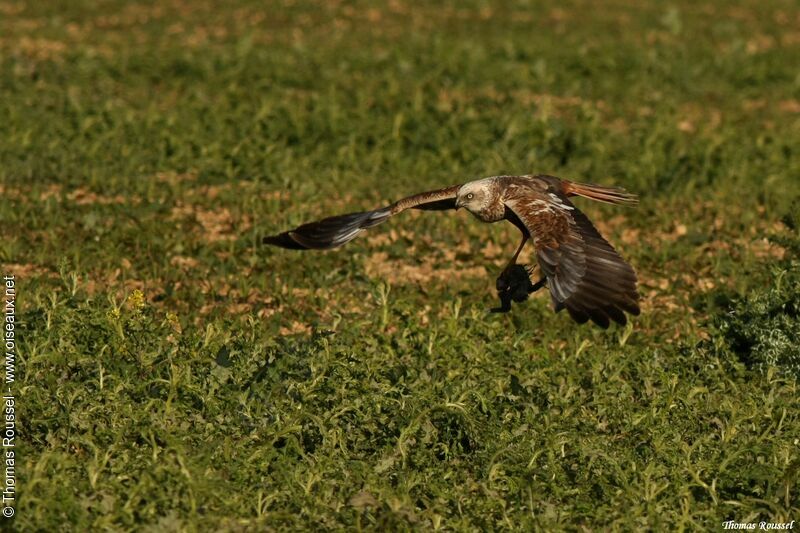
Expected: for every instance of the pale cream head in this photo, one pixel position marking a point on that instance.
(475, 196)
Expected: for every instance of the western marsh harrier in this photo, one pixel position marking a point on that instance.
(583, 272)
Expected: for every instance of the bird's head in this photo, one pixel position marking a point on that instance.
(474, 196)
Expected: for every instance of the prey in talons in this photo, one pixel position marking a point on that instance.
(514, 284)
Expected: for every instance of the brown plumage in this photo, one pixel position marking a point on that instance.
(584, 274)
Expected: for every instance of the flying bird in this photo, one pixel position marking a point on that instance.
(583, 272)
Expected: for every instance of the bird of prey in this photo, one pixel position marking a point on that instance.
(583, 272)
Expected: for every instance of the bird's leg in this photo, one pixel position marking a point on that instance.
(510, 280)
(513, 260)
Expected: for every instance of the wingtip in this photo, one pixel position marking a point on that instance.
(283, 240)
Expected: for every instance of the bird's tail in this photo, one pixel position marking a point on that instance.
(609, 195)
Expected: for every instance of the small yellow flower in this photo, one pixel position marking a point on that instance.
(136, 300)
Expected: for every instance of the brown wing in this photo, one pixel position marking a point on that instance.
(336, 231)
(585, 275)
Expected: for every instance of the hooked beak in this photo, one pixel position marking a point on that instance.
(459, 205)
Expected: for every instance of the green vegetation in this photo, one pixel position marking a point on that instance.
(763, 328)
(175, 375)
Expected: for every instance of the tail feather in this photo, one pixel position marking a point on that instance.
(609, 195)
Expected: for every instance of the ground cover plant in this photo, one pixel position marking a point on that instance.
(173, 374)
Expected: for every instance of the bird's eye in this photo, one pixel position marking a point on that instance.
(470, 196)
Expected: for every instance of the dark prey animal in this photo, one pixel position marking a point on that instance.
(514, 284)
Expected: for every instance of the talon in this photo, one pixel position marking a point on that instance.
(538, 285)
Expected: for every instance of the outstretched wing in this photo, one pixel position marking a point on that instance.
(336, 231)
(585, 275)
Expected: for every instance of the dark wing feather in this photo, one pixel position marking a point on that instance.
(585, 275)
(335, 231)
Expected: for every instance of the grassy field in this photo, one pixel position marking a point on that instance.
(173, 374)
